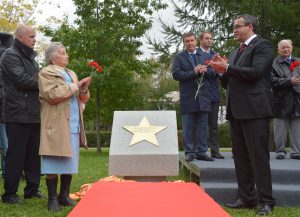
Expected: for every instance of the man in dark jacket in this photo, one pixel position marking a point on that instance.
(21, 114)
(206, 42)
(6, 41)
(188, 68)
(286, 101)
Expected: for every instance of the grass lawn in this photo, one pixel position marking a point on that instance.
(94, 166)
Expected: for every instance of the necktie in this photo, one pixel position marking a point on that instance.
(242, 47)
(194, 58)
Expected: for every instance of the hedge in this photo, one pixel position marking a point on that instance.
(224, 137)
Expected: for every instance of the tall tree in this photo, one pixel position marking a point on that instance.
(13, 13)
(109, 32)
(277, 19)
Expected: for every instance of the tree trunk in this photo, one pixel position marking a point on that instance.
(98, 120)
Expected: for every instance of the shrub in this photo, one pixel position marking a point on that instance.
(104, 137)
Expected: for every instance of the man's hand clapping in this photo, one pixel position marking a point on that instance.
(219, 64)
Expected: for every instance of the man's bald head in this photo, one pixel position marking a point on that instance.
(26, 35)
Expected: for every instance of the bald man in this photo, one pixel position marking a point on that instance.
(21, 115)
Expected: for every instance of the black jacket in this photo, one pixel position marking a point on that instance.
(286, 102)
(6, 40)
(247, 82)
(20, 86)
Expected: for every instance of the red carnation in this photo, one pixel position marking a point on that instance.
(96, 66)
(294, 65)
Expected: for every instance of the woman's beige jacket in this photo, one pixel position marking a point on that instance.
(54, 95)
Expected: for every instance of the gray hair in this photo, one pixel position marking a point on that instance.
(51, 51)
(285, 41)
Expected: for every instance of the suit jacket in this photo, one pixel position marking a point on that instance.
(246, 81)
(183, 71)
(214, 88)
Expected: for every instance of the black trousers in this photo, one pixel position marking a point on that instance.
(22, 154)
(252, 160)
(213, 127)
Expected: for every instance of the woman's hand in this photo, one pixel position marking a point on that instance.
(84, 83)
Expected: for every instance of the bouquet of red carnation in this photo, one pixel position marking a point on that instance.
(95, 67)
(200, 80)
(294, 64)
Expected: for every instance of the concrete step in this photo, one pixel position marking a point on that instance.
(219, 179)
(285, 195)
(283, 171)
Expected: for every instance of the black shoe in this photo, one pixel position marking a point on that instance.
(34, 195)
(12, 200)
(264, 210)
(295, 156)
(217, 155)
(239, 204)
(189, 158)
(204, 156)
(280, 156)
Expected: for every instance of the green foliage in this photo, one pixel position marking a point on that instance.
(224, 137)
(92, 138)
(277, 19)
(108, 32)
(14, 13)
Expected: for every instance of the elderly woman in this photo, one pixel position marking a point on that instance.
(286, 101)
(62, 99)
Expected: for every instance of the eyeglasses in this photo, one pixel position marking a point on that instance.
(239, 26)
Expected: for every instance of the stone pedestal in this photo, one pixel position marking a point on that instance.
(144, 144)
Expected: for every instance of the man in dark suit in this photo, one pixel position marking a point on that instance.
(206, 42)
(245, 76)
(188, 68)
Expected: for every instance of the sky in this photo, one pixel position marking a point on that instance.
(67, 7)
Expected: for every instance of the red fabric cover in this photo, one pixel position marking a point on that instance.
(146, 199)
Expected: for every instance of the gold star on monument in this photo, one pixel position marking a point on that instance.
(144, 131)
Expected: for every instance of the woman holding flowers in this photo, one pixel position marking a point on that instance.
(62, 99)
(285, 80)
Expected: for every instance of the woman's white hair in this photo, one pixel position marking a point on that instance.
(51, 51)
(285, 41)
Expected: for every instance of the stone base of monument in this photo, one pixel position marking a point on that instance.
(146, 178)
(144, 145)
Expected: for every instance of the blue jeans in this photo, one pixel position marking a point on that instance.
(194, 131)
(4, 146)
